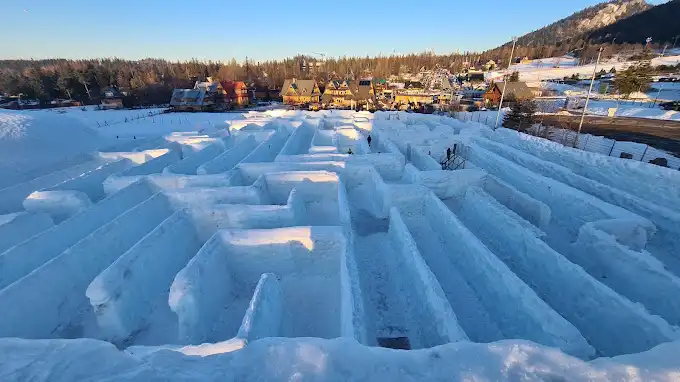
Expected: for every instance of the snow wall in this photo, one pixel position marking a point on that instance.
(533, 211)
(137, 157)
(307, 260)
(571, 208)
(390, 166)
(517, 310)
(155, 165)
(364, 187)
(627, 268)
(114, 183)
(269, 149)
(427, 303)
(191, 163)
(324, 138)
(491, 291)
(187, 196)
(667, 220)
(612, 171)
(300, 141)
(286, 359)
(561, 283)
(124, 294)
(21, 259)
(444, 183)
(11, 198)
(59, 205)
(263, 317)
(22, 226)
(91, 182)
(421, 160)
(230, 158)
(50, 301)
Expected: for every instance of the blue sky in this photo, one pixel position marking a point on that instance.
(265, 29)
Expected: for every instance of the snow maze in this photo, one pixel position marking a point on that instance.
(269, 228)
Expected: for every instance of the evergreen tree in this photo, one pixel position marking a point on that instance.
(514, 77)
(522, 115)
(635, 78)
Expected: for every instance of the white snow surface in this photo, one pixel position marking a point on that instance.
(253, 246)
(560, 67)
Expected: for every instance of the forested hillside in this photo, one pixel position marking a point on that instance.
(580, 23)
(661, 23)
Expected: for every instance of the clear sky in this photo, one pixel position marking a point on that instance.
(265, 29)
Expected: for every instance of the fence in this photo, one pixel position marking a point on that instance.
(592, 143)
(130, 117)
(484, 117)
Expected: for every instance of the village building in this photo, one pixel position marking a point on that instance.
(405, 96)
(235, 93)
(513, 91)
(298, 92)
(187, 99)
(112, 98)
(356, 94)
(211, 95)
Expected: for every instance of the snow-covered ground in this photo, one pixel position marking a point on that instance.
(628, 109)
(254, 246)
(548, 62)
(546, 70)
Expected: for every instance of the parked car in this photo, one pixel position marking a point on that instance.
(672, 105)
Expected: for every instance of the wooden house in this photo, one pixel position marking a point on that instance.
(236, 93)
(298, 92)
(405, 96)
(187, 99)
(112, 98)
(513, 91)
(358, 94)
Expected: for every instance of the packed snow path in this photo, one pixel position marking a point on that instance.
(268, 228)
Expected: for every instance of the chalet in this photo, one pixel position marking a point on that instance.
(187, 99)
(413, 97)
(513, 91)
(112, 98)
(474, 76)
(236, 93)
(490, 65)
(297, 92)
(358, 94)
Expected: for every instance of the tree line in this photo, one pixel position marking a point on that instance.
(151, 81)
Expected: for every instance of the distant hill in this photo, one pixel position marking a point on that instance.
(661, 23)
(583, 22)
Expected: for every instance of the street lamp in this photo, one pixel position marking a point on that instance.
(585, 107)
(505, 83)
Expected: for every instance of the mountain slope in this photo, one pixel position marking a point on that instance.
(659, 22)
(584, 21)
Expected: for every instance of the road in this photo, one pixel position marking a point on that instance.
(657, 133)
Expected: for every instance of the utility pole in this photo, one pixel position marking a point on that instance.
(505, 83)
(660, 86)
(585, 107)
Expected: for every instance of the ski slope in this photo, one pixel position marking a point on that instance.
(253, 246)
(559, 67)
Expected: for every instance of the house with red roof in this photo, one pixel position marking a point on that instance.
(236, 93)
